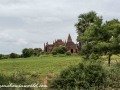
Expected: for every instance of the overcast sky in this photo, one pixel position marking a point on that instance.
(31, 23)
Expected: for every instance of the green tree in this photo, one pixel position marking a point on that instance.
(60, 50)
(100, 38)
(91, 37)
(31, 51)
(1, 56)
(26, 52)
(113, 37)
(84, 20)
(13, 55)
(37, 51)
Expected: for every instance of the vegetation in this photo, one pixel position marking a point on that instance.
(40, 65)
(96, 37)
(14, 55)
(87, 76)
(59, 50)
(68, 54)
(28, 52)
(2, 56)
(34, 69)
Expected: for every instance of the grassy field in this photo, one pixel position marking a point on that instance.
(42, 65)
(40, 69)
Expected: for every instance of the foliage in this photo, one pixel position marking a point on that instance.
(113, 76)
(84, 21)
(15, 79)
(82, 76)
(13, 55)
(94, 56)
(98, 37)
(60, 50)
(87, 76)
(54, 52)
(37, 51)
(68, 54)
(2, 56)
(4, 80)
(28, 52)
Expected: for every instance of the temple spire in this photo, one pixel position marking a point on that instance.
(69, 38)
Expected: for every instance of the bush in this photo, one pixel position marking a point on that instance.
(113, 76)
(4, 80)
(68, 54)
(94, 56)
(60, 50)
(1, 56)
(82, 76)
(13, 55)
(54, 52)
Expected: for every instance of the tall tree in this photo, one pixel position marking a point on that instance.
(113, 37)
(84, 20)
(100, 38)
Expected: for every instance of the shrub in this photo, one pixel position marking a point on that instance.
(1, 56)
(68, 54)
(54, 52)
(5, 56)
(82, 76)
(13, 55)
(60, 50)
(94, 56)
(4, 80)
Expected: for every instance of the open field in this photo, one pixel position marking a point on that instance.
(37, 65)
(42, 65)
(40, 69)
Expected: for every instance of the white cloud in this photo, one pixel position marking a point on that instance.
(5, 37)
(34, 21)
(22, 41)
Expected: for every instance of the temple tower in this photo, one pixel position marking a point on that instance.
(69, 38)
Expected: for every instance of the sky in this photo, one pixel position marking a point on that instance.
(31, 23)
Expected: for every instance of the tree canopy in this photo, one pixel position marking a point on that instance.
(97, 37)
(28, 52)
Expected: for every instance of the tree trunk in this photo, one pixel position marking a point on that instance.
(109, 58)
(80, 46)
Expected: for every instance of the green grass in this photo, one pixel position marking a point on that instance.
(36, 69)
(37, 65)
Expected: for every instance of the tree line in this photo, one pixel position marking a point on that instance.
(26, 52)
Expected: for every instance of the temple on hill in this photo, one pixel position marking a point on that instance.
(69, 45)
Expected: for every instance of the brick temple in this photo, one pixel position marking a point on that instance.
(69, 45)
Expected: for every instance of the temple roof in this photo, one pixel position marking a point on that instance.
(69, 38)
